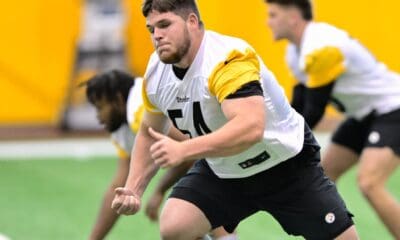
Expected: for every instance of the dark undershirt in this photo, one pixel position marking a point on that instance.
(179, 72)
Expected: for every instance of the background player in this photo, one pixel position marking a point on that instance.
(331, 66)
(116, 96)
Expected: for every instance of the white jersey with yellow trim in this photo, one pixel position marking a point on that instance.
(362, 84)
(222, 65)
(124, 137)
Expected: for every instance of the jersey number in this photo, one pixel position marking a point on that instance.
(198, 120)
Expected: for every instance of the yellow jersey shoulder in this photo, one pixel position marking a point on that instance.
(234, 62)
(322, 57)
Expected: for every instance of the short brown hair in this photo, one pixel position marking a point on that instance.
(303, 5)
(180, 7)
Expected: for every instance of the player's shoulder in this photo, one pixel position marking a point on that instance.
(223, 45)
(123, 139)
(318, 35)
(135, 93)
(225, 41)
(219, 50)
(315, 29)
(121, 133)
(137, 83)
(323, 26)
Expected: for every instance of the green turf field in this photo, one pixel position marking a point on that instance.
(59, 198)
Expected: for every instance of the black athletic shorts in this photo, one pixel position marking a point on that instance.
(372, 131)
(296, 193)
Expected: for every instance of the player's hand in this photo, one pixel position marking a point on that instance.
(165, 152)
(153, 206)
(125, 202)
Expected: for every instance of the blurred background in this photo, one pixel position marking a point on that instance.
(47, 48)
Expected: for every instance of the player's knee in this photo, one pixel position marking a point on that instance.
(176, 229)
(167, 232)
(227, 237)
(367, 184)
(171, 230)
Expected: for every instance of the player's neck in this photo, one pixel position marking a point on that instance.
(187, 60)
(298, 33)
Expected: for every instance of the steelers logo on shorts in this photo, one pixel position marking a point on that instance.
(374, 137)
(330, 218)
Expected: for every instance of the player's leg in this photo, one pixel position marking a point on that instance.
(343, 152)
(348, 234)
(376, 165)
(182, 220)
(378, 161)
(194, 224)
(308, 203)
(337, 159)
(201, 202)
(221, 234)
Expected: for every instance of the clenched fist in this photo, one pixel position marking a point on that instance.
(125, 202)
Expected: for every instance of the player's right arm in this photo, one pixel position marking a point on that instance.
(171, 176)
(142, 168)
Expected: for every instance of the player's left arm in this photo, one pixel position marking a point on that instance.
(315, 102)
(323, 67)
(298, 95)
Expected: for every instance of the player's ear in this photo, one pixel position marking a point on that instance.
(294, 15)
(193, 20)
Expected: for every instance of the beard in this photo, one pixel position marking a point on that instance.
(181, 51)
(115, 122)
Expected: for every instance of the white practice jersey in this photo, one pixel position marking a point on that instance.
(124, 137)
(222, 65)
(362, 84)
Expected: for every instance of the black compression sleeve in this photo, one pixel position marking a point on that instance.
(315, 102)
(249, 89)
(299, 92)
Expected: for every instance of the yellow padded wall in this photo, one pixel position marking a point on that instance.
(37, 51)
(139, 46)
